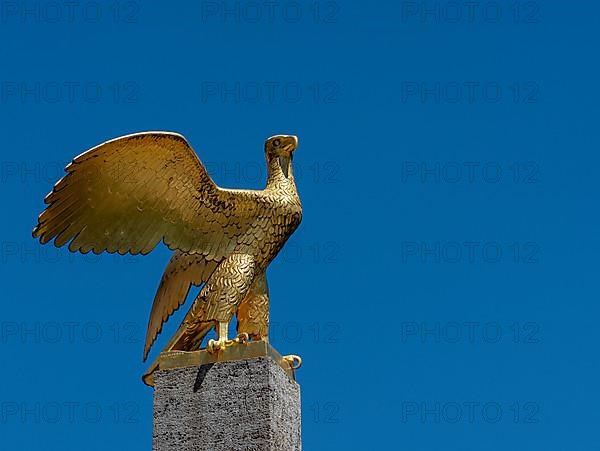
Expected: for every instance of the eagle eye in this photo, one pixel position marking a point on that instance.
(276, 142)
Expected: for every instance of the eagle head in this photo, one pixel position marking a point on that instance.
(282, 148)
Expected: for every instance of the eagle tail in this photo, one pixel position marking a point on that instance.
(183, 271)
(189, 338)
(185, 339)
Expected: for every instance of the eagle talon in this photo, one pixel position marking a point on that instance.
(293, 361)
(215, 346)
(242, 338)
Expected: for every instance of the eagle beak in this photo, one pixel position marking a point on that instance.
(292, 144)
(286, 159)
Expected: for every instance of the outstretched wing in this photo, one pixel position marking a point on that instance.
(183, 271)
(128, 194)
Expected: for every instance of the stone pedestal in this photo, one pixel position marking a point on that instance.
(241, 405)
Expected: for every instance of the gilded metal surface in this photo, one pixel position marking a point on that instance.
(128, 194)
(181, 359)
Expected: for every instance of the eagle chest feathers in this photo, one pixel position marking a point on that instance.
(284, 216)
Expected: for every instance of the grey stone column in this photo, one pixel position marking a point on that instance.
(241, 405)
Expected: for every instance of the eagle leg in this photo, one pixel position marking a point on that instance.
(253, 312)
(223, 341)
(220, 298)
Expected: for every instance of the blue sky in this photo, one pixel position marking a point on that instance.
(441, 288)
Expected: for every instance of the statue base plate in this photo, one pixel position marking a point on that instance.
(243, 351)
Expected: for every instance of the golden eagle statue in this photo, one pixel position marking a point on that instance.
(128, 194)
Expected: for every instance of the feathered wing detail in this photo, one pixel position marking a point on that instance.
(183, 271)
(128, 194)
